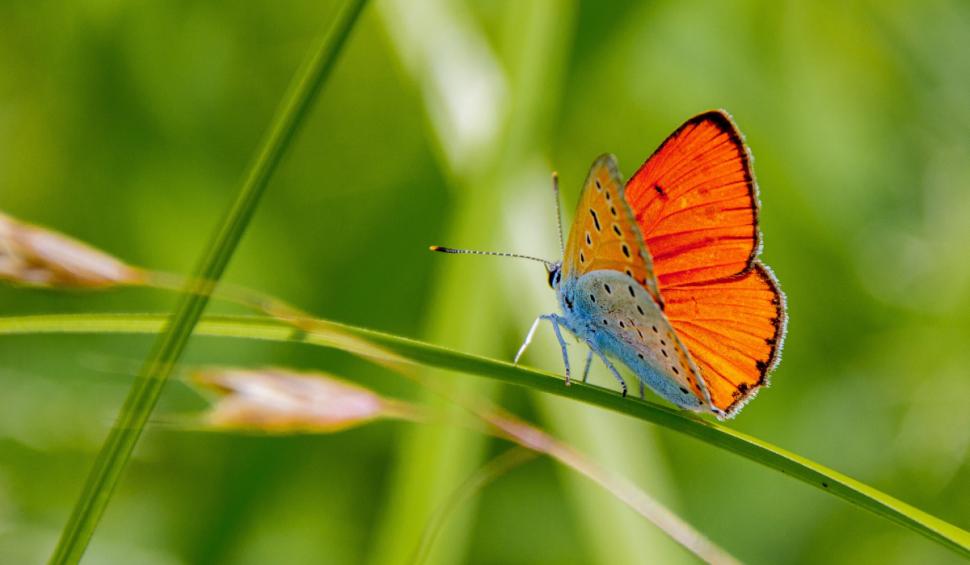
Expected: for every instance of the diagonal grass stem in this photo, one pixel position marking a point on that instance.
(331, 334)
(145, 391)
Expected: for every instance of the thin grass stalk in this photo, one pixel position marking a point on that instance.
(280, 401)
(116, 451)
(622, 489)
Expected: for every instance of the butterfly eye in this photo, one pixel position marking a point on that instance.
(554, 276)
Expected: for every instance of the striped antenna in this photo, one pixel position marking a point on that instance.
(551, 266)
(440, 249)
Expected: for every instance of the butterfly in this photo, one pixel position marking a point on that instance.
(662, 273)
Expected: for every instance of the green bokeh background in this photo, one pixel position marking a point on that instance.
(129, 125)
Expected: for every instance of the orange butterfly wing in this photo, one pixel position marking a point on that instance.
(696, 203)
(604, 234)
(733, 329)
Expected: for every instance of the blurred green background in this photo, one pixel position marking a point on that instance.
(129, 125)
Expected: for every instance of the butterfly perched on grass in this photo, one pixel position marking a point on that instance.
(662, 273)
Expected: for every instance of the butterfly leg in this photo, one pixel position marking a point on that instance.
(556, 321)
(589, 361)
(609, 365)
(643, 391)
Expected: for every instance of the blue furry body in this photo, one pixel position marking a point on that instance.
(617, 319)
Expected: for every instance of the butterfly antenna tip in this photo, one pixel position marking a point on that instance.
(493, 253)
(555, 193)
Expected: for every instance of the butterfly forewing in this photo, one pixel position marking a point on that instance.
(604, 235)
(695, 201)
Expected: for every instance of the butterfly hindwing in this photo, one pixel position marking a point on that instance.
(625, 322)
(734, 330)
(604, 234)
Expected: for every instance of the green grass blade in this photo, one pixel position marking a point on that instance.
(147, 388)
(788, 463)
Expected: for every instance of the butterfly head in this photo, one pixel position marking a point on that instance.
(555, 274)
